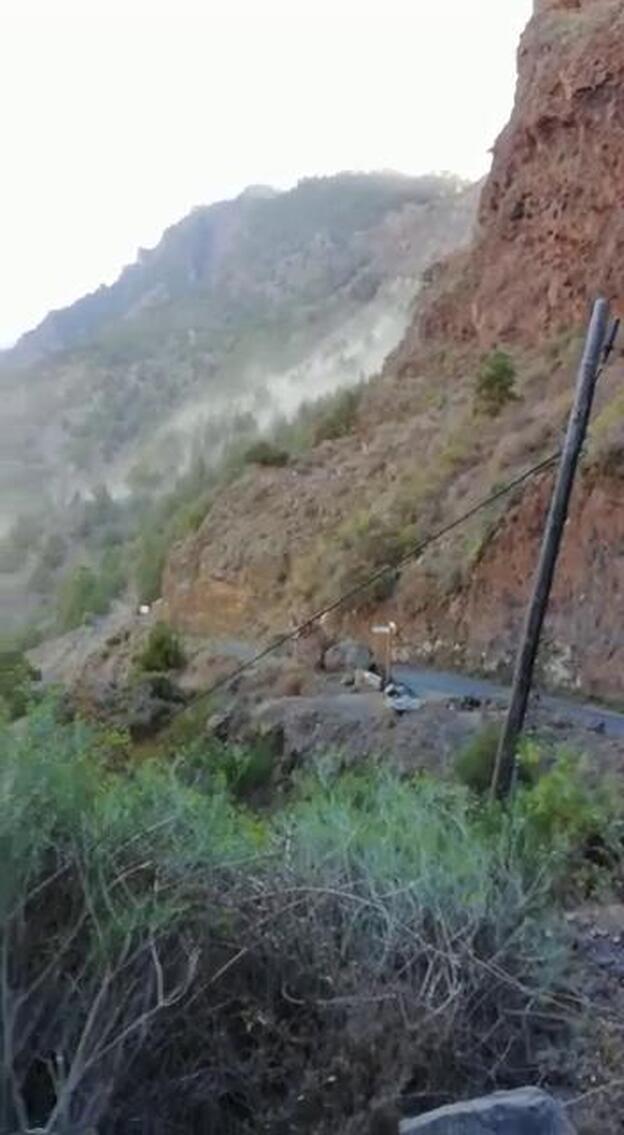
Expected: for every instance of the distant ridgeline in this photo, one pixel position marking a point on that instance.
(244, 310)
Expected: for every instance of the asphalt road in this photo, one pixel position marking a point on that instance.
(445, 684)
(432, 684)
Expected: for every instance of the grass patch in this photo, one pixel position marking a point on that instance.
(17, 680)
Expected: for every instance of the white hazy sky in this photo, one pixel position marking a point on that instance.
(118, 116)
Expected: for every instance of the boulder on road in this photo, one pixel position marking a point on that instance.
(527, 1111)
(367, 680)
(347, 655)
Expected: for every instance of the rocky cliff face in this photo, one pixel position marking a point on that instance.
(550, 236)
(551, 227)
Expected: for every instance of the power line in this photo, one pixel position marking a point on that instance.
(412, 553)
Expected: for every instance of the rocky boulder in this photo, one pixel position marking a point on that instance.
(347, 655)
(527, 1111)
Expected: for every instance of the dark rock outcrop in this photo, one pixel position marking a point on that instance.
(527, 1111)
(347, 655)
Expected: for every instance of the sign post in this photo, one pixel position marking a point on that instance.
(388, 631)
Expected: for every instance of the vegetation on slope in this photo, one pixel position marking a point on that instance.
(17, 680)
(176, 959)
(80, 558)
(162, 650)
(242, 311)
(495, 383)
(234, 287)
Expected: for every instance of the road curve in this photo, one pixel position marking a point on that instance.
(446, 684)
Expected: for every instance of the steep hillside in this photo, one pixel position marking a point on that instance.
(234, 293)
(423, 448)
(245, 310)
(257, 251)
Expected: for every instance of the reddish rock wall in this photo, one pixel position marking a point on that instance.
(551, 236)
(551, 218)
(584, 634)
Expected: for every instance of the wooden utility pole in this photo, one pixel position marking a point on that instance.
(504, 771)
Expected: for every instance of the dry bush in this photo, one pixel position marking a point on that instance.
(173, 963)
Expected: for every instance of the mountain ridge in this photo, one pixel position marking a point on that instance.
(220, 287)
(243, 311)
(190, 252)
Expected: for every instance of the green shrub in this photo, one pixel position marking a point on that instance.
(86, 591)
(340, 415)
(495, 384)
(266, 453)
(557, 810)
(101, 927)
(247, 768)
(562, 806)
(170, 937)
(191, 515)
(80, 595)
(162, 650)
(17, 678)
(242, 769)
(474, 765)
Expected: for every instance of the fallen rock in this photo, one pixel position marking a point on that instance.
(527, 1111)
(468, 703)
(367, 680)
(347, 655)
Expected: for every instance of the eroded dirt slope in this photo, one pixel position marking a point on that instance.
(551, 234)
